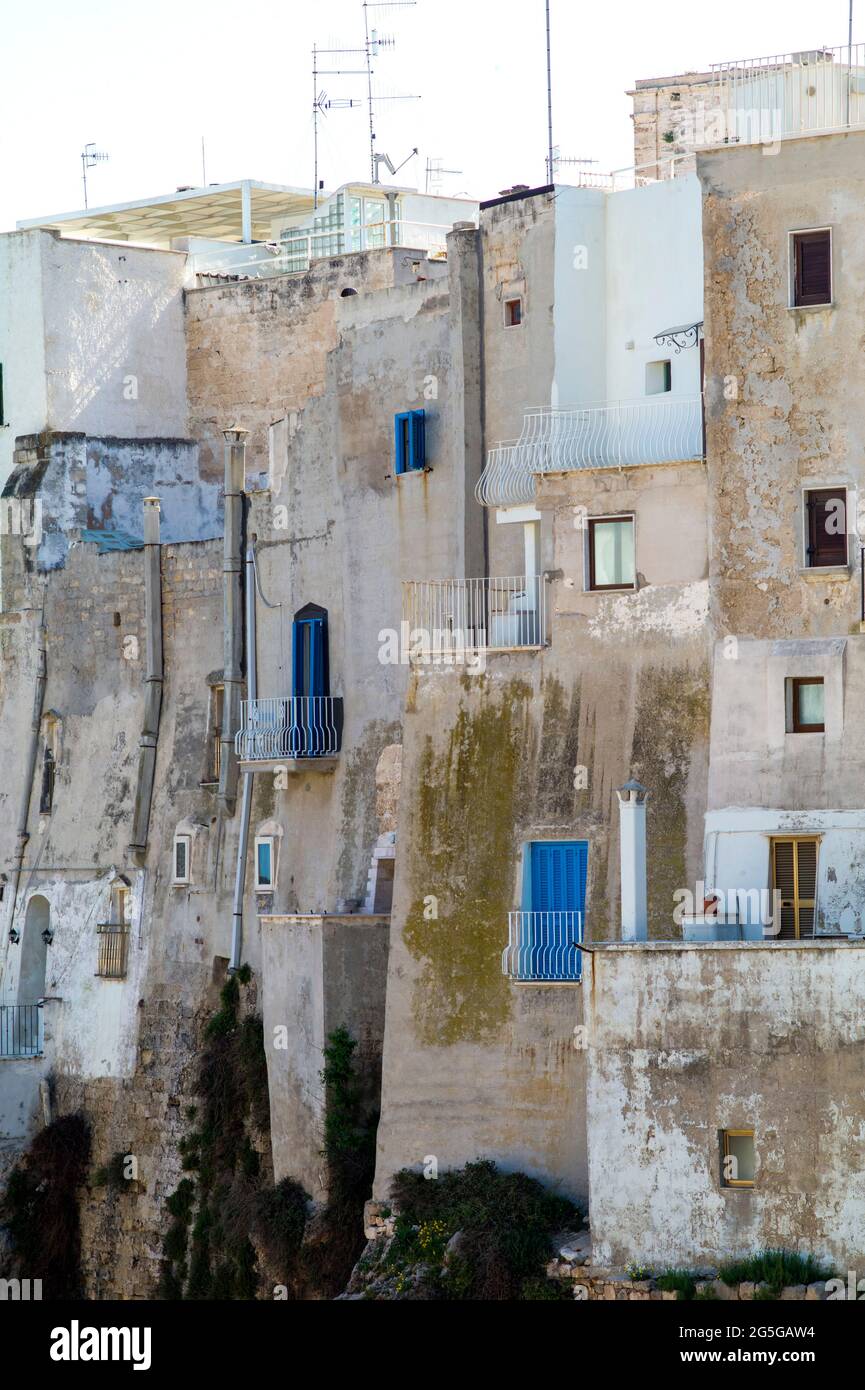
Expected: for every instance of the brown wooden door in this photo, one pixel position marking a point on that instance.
(794, 877)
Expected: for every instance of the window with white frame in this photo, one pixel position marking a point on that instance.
(182, 858)
(265, 863)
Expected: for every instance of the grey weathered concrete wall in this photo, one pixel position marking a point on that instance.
(685, 1041)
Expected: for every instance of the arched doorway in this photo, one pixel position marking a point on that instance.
(34, 951)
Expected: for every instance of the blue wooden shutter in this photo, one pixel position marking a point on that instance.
(309, 656)
(297, 661)
(558, 875)
(417, 445)
(402, 439)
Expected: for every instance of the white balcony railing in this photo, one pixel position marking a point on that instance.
(296, 726)
(759, 100)
(21, 1033)
(543, 946)
(297, 249)
(620, 434)
(449, 619)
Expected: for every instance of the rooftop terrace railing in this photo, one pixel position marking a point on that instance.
(757, 100)
(296, 251)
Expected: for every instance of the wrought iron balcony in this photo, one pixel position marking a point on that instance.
(21, 1031)
(619, 434)
(113, 950)
(543, 946)
(758, 100)
(294, 728)
(449, 620)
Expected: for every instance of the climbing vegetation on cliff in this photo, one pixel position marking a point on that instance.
(40, 1208)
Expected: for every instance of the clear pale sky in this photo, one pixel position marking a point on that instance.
(145, 82)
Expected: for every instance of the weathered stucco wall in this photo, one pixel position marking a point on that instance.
(685, 1041)
(778, 380)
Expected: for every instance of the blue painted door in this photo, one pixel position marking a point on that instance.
(556, 892)
(309, 685)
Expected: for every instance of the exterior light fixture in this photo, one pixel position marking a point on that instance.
(14, 937)
(234, 435)
(47, 936)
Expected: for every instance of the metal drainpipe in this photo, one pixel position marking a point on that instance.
(246, 794)
(232, 593)
(32, 750)
(152, 681)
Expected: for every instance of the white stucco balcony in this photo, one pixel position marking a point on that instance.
(617, 434)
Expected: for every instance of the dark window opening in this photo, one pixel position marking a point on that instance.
(812, 268)
(513, 313)
(738, 1159)
(46, 795)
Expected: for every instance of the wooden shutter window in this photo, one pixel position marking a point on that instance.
(812, 268)
(794, 875)
(827, 527)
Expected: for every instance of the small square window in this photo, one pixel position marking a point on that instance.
(811, 265)
(611, 553)
(182, 856)
(659, 377)
(738, 1159)
(264, 864)
(410, 441)
(513, 313)
(805, 705)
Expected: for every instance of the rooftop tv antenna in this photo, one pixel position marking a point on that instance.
(322, 103)
(550, 165)
(90, 157)
(374, 42)
(435, 172)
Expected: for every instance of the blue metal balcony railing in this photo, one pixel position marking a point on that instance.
(297, 726)
(543, 946)
(21, 1032)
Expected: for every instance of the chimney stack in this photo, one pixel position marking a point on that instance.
(632, 841)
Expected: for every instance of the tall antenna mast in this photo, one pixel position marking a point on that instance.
(322, 103)
(372, 44)
(550, 167)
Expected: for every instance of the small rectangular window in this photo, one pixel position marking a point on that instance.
(659, 377)
(182, 848)
(410, 441)
(826, 510)
(807, 705)
(264, 865)
(812, 268)
(611, 553)
(513, 313)
(738, 1160)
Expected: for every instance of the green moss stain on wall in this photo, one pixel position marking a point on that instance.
(555, 795)
(672, 724)
(463, 853)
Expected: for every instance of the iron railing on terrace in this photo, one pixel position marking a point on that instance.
(295, 252)
(618, 434)
(543, 946)
(21, 1032)
(757, 100)
(449, 619)
(113, 957)
(295, 726)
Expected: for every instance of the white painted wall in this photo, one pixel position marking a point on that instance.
(628, 265)
(22, 342)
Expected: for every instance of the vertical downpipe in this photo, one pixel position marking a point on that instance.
(32, 749)
(232, 591)
(246, 794)
(153, 679)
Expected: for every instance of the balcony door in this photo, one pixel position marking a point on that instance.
(555, 890)
(309, 716)
(794, 878)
